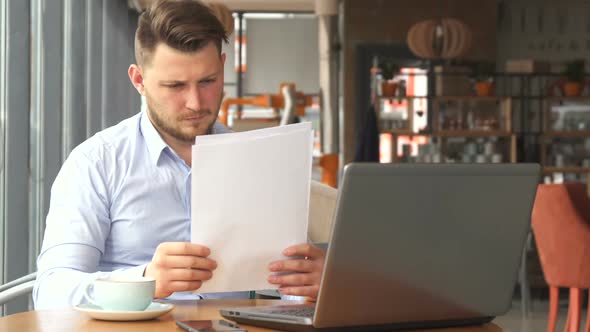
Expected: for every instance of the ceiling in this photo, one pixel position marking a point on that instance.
(268, 5)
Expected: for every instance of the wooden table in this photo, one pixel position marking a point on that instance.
(71, 320)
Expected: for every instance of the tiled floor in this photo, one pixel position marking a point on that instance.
(513, 321)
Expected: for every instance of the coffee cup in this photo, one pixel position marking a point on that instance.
(121, 294)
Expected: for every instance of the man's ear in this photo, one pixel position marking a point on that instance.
(136, 77)
(223, 58)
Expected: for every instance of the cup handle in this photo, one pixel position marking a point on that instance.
(88, 297)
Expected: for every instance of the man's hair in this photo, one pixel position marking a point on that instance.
(184, 25)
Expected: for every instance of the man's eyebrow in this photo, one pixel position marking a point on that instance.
(208, 77)
(171, 81)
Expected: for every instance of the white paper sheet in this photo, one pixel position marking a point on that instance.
(249, 201)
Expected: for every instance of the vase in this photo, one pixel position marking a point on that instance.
(484, 89)
(572, 89)
(388, 89)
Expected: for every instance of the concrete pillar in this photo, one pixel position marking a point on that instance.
(327, 12)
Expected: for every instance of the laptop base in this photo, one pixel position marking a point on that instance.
(283, 326)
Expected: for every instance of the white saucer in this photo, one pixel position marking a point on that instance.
(154, 310)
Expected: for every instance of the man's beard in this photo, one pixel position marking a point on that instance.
(166, 123)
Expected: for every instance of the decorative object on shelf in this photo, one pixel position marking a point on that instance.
(452, 80)
(565, 142)
(393, 121)
(526, 66)
(398, 114)
(472, 115)
(444, 38)
(575, 74)
(483, 76)
(429, 153)
(465, 150)
(401, 90)
(389, 68)
(567, 115)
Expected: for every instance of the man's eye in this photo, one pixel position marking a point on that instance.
(205, 82)
(174, 86)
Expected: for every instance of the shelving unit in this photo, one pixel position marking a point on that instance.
(475, 121)
(472, 115)
(397, 115)
(567, 134)
(472, 133)
(522, 131)
(485, 120)
(565, 141)
(576, 170)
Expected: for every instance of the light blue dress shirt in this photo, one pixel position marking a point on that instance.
(118, 196)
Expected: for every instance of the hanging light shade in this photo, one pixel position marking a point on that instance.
(224, 15)
(445, 38)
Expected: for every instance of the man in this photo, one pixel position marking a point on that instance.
(120, 206)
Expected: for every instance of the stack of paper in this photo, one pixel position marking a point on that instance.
(250, 200)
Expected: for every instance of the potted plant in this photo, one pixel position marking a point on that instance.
(483, 76)
(389, 69)
(574, 74)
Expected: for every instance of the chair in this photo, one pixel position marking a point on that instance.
(322, 203)
(561, 225)
(16, 288)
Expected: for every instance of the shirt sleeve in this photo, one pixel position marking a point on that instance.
(61, 285)
(77, 227)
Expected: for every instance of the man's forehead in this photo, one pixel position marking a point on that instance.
(164, 51)
(172, 62)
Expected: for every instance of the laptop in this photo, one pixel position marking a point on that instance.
(416, 246)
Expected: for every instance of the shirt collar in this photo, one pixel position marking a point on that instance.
(154, 141)
(156, 144)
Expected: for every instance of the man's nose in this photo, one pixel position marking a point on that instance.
(193, 99)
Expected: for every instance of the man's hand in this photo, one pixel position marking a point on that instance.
(179, 266)
(306, 280)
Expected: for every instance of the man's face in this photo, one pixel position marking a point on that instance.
(183, 90)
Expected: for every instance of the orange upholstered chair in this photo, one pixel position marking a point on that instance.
(561, 225)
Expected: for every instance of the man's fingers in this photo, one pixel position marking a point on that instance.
(183, 248)
(179, 267)
(174, 261)
(304, 249)
(307, 272)
(294, 279)
(167, 288)
(311, 291)
(295, 265)
(182, 286)
(189, 275)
